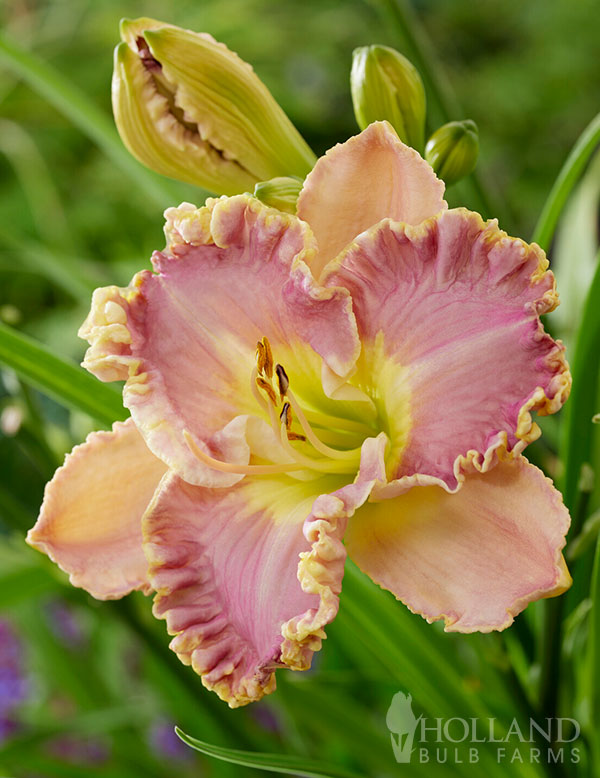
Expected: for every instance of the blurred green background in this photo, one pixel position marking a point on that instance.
(91, 688)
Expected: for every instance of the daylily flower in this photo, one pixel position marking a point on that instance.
(366, 370)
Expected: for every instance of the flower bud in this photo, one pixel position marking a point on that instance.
(385, 85)
(281, 193)
(453, 149)
(189, 108)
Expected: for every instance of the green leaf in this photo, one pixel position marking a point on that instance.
(273, 763)
(578, 427)
(61, 379)
(576, 450)
(593, 669)
(75, 276)
(28, 583)
(586, 538)
(370, 611)
(93, 122)
(566, 180)
(574, 252)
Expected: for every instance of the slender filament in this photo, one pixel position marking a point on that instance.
(239, 469)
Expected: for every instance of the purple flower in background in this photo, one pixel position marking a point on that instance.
(14, 686)
(265, 717)
(8, 727)
(64, 624)
(80, 751)
(165, 744)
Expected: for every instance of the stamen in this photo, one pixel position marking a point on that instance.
(286, 417)
(282, 380)
(295, 436)
(336, 422)
(261, 382)
(333, 453)
(261, 359)
(230, 467)
(268, 358)
(267, 388)
(264, 358)
(257, 395)
(322, 465)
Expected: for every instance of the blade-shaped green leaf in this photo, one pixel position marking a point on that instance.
(371, 610)
(61, 379)
(76, 276)
(75, 105)
(273, 763)
(576, 449)
(566, 180)
(593, 669)
(578, 427)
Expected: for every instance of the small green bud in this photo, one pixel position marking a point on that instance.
(453, 149)
(281, 193)
(385, 85)
(189, 108)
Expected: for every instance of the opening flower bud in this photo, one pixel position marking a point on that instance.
(189, 108)
(281, 193)
(453, 149)
(385, 85)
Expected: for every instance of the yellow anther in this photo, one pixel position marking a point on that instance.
(263, 387)
(268, 369)
(261, 359)
(267, 389)
(286, 417)
(264, 358)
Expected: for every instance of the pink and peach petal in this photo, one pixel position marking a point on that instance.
(226, 566)
(185, 337)
(90, 522)
(476, 558)
(223, 563)
(448, 315)
(358, 183)
(321, 568)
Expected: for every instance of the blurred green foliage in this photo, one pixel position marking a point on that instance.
(102, 681)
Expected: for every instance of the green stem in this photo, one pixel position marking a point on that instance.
(566, 180)
(93, 122)
(551, 641)
(419, 49)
